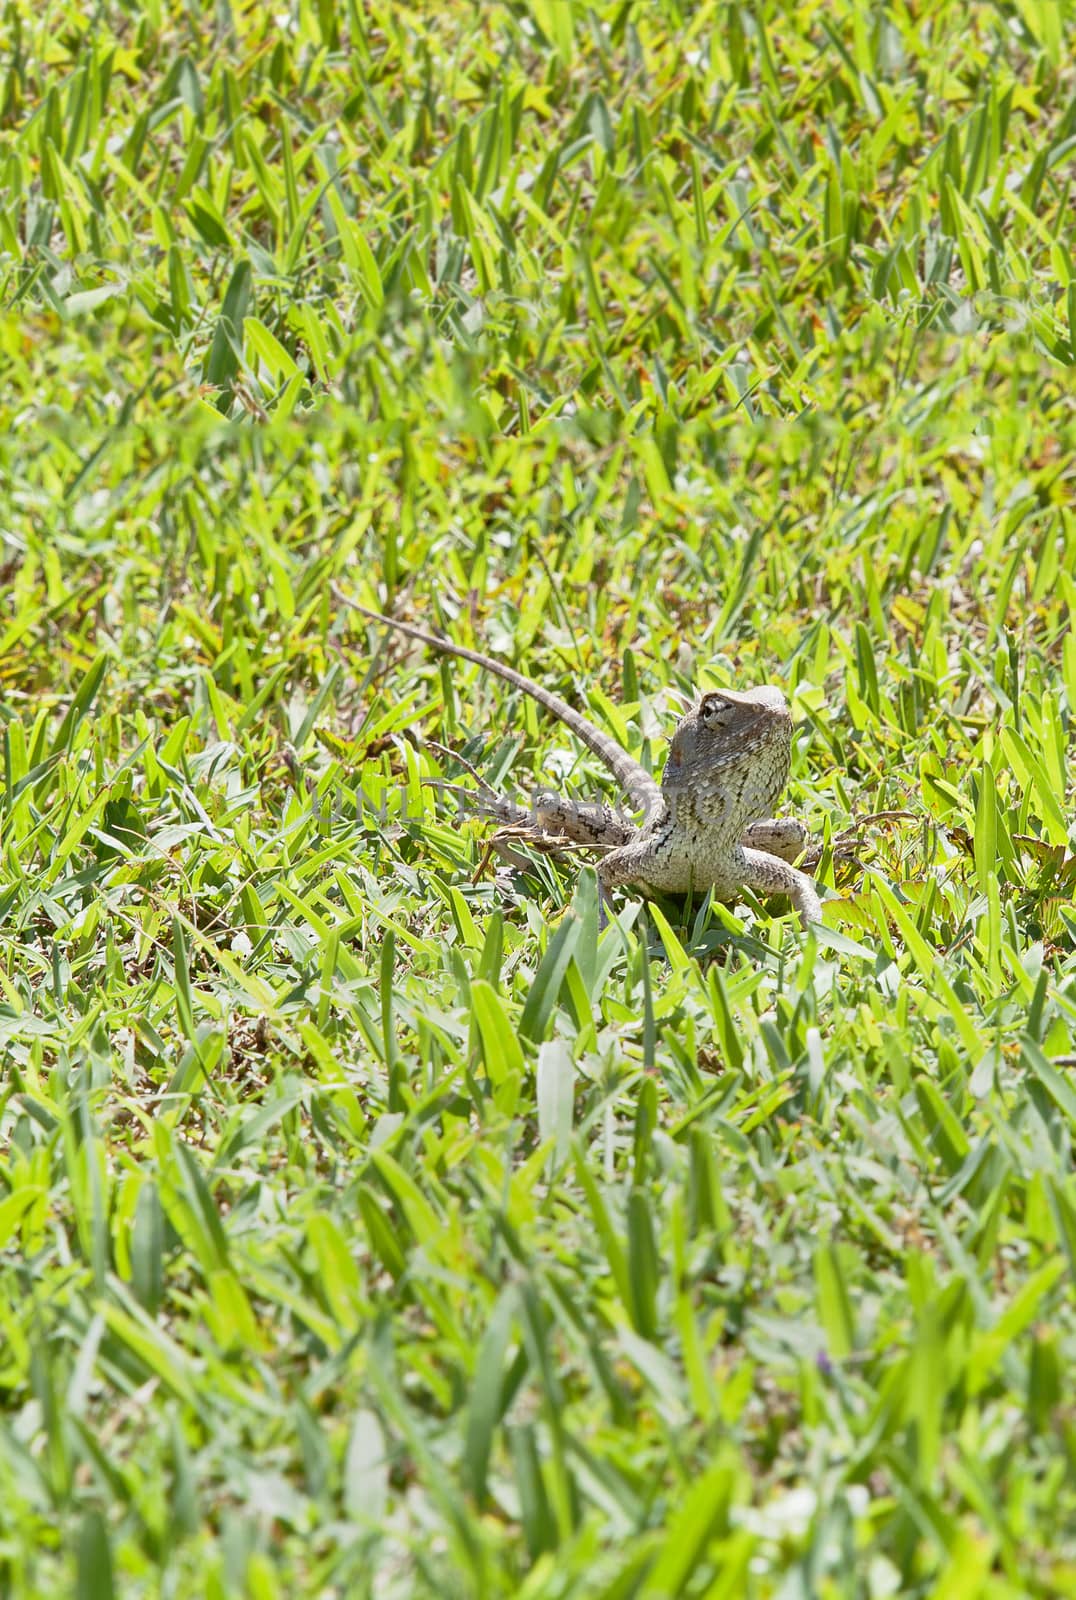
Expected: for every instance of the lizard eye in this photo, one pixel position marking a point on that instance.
(715, 711)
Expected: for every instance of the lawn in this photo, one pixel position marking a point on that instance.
(371, 1223)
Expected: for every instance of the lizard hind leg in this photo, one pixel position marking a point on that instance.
(587, 824)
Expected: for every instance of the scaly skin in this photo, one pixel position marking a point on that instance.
(709, 825)
(728, 764)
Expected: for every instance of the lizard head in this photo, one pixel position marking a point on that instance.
(740, 743)
(721, 708)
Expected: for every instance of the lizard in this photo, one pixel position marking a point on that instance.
(707, 825)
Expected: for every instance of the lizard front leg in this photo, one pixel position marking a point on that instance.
(768, 875)
(777, 836)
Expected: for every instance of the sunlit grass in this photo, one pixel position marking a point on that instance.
(369, 1222)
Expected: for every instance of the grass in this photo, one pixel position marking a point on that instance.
(368, 1223)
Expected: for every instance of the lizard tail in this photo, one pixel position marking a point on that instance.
(641, 788)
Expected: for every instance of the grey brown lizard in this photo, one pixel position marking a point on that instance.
(708, 824)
